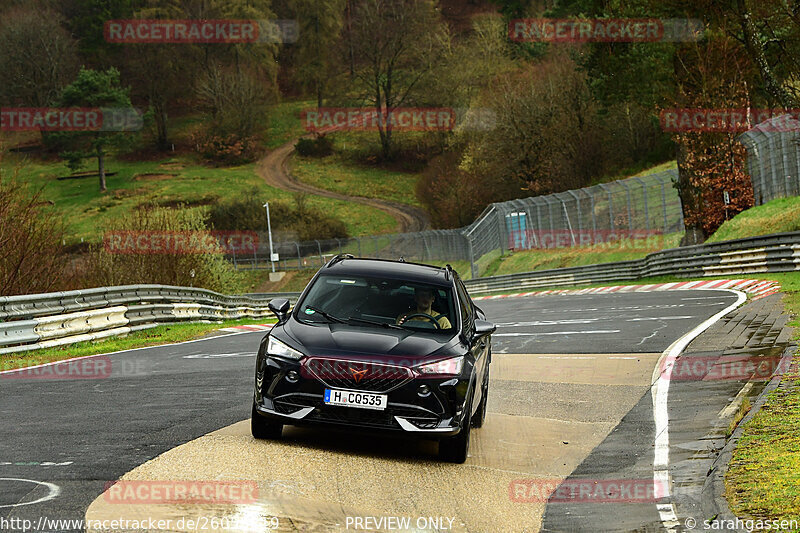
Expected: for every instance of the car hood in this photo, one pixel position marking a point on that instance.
(345, 340)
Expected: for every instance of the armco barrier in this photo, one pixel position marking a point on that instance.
(39, 320)
(770, 253)
(29, 322)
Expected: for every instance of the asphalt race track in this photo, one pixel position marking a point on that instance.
(570, 395)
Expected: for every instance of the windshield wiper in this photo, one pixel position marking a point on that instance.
(374, 323)
(329, 316)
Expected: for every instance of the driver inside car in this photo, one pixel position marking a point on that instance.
(424, 299)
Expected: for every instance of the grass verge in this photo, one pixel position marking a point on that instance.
(340, 173)
(165, 334)
(763, 479)
(171, 181)
(285, 122)
(777, 216)
(543, 259)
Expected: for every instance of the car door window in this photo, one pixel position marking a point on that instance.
(465, 304)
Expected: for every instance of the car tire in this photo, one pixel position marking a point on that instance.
(456, 449)
(264, 429)
(480, 414)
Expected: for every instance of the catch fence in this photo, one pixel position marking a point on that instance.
(626, 209)
(773, 158)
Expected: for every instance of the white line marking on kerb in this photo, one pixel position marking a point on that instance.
(660, 392)
(54, 491)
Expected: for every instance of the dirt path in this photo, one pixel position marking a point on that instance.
(274, 169)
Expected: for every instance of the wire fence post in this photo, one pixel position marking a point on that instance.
(646, 210)
(630, 210)
(319, 248)
(472, 264)
(610, 206)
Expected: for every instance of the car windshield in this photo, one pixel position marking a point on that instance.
(376, 302)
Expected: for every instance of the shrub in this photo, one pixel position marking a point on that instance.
(32, 259)
(229, 149)
(319, 146)
(106, 267)
(248, 214)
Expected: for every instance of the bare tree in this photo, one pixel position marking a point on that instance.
(37, 56)
(31, 258)
(396, 45)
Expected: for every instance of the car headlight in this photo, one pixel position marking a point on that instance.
(276, 347)
(448, 367)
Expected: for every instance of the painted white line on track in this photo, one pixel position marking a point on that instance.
(660, 393)
(124, 351)
(54, 491)
(555, 333)
(641, 319)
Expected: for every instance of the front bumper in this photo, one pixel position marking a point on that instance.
(298, 400)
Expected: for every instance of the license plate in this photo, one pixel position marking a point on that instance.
(362, 400)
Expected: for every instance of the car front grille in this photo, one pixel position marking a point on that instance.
(357, 375)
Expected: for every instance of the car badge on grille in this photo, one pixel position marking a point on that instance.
(358, 375)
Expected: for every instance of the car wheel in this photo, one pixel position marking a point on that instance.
(263, 428)
(455, 449)
(480, 415)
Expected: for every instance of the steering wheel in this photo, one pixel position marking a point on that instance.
(424, 315)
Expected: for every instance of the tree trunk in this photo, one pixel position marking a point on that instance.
(350, 52)
(101, 169)
(756, 51)
(161, 125)
(691, 202)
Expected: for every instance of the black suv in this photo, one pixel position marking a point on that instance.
(374, 344)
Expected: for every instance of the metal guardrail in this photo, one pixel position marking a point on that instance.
(41, 320)
(771, 253)
(29, 322)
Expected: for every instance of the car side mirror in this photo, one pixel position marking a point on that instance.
(483, 328)
(279, 306)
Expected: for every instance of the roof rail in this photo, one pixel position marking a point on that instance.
(447, 271)
(339, 257)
